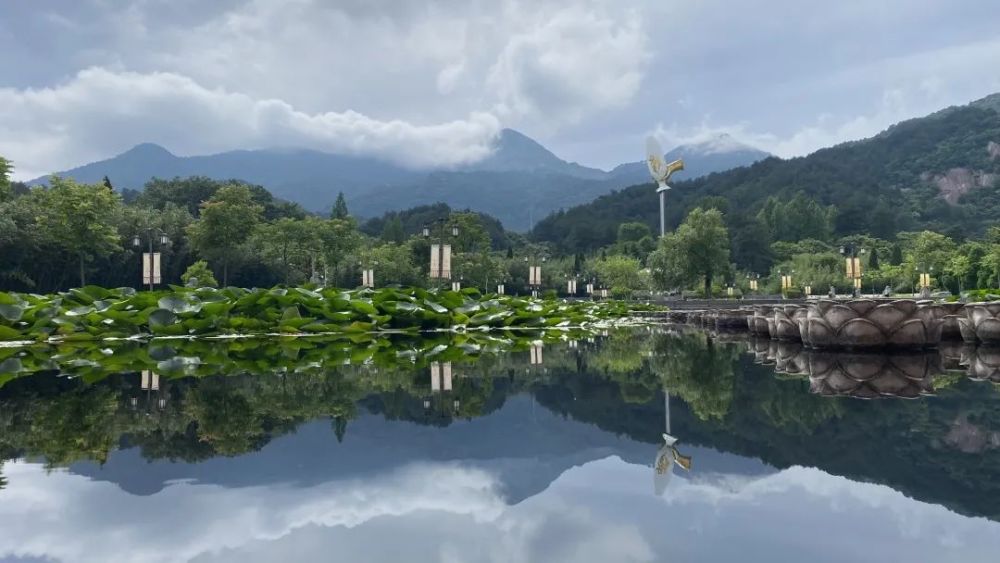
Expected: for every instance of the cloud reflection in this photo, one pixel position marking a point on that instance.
(600, 511)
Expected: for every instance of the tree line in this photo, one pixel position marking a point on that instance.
(230, 232)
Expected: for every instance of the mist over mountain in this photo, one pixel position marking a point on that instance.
(519, 183)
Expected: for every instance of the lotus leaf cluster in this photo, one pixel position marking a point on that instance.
(93, 361)
(97, 313)
(870, 324)
(980, 323)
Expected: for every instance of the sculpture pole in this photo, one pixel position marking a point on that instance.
(663, 208)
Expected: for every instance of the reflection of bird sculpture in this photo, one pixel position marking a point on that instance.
(665, 458)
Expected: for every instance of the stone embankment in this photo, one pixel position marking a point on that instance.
(859, 324)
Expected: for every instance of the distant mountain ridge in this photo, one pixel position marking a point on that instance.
(519, 183)
(940, 172)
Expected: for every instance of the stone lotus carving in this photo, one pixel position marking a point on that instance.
(760, 347)
(870, 376)
(869, 324)
(950, 313)
(790, 358)
(980, 323)
(982, 363)
(786, 322)
(758, 322)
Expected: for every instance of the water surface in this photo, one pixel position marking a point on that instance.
(513, 448)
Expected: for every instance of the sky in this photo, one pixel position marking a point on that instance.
(432, 83)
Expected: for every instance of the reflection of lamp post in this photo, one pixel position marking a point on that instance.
(535, 356)
(441, 383)
(571, 287)
(151, 260)
(440, 252)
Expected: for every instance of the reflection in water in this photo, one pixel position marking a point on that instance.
(358, 436)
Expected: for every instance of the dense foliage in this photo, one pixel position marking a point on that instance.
(879, 186)
(96, 313)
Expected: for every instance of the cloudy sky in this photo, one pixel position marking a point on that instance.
(432, 82)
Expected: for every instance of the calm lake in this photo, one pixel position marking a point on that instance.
(640, 444)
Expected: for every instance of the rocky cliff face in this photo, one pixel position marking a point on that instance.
(959, 181)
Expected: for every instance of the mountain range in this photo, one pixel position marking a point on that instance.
(940, 172)
(519, 183)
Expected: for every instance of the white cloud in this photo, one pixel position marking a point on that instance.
(588, 78)
(567, 64)
(424, 83)
(100, 112)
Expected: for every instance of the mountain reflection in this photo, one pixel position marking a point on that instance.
(186, 402)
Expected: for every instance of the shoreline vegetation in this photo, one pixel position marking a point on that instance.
(95, 313)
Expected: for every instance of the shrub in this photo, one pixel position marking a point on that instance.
(199, 275)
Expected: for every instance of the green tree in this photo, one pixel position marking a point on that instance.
(5, 169)
(620, 273)
(340, 239)
(199, 274)
(79, 219)
(294, 244)
(340, 208)
(393, 231)
(395, 265)
(798, 218)
(699, 248)
(225, 224)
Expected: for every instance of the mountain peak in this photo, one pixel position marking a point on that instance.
(989, 102)
(720, 143)
(147, 150)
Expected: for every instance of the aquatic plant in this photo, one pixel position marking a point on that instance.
(93, 312)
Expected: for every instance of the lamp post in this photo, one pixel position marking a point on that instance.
(925, 280)
(534, 273)
(752, 281)
(786, 281)
(440, 260)
(571, 287)
(852, 261)
(151, 260)
(368, 274)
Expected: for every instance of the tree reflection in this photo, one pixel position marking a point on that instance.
(238, 396)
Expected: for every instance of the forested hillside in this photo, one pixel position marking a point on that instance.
(938, 173)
